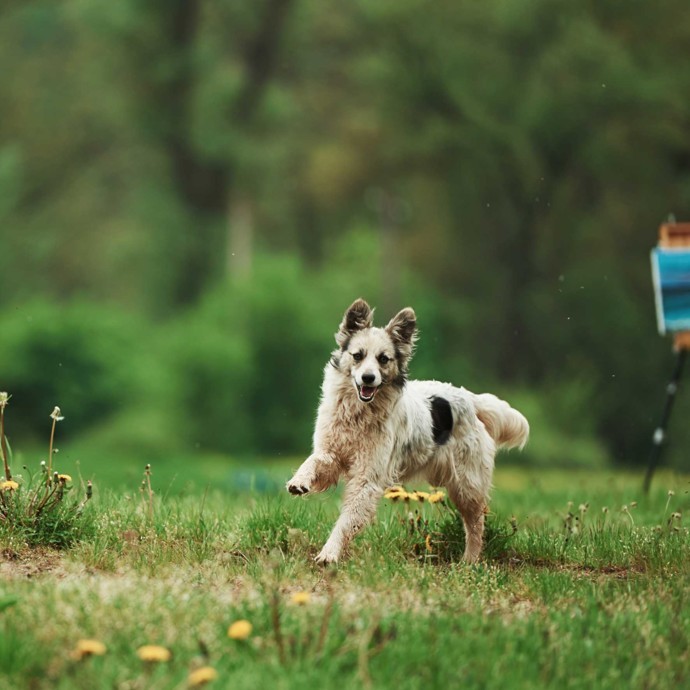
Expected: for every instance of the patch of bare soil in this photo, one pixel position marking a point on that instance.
(30, 563)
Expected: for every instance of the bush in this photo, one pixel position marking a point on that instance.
(81, 354)
(247, 364)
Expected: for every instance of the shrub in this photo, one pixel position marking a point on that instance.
(84, 354)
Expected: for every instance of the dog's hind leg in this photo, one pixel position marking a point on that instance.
(359, 508)
(472, 511)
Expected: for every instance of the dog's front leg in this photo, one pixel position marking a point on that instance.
(359, 508)
(317, 473)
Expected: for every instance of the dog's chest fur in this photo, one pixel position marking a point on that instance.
(356, 434)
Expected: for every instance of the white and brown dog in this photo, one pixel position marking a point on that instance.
(378, 429)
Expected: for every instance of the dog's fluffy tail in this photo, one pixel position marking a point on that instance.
(505, 425)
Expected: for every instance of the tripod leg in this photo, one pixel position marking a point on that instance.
(660, 432)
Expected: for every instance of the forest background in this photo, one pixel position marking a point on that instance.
(191, 194)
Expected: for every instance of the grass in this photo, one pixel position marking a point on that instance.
(584, 584)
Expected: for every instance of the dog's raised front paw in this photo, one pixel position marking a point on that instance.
(298, 487)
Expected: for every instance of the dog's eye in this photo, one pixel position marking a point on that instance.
(357, 356)
(383, 359)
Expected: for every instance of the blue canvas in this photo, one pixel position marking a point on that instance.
(671, 274)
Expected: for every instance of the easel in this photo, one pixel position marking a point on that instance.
(671, 236)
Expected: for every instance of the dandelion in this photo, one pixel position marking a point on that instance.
(64, 478)
(154, 653)
(422, 495)
(437, 497)
(411, 497)
(86, 648)
(9, 485)
(395, 493)
(56, 414)
(4, 399)
(300, 598)
(240, 630)
(201, 676)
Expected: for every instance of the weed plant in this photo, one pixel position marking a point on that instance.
(39, 509)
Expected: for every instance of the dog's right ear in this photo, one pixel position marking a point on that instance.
(358, 316)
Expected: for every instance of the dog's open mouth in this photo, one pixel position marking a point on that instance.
(366, 393)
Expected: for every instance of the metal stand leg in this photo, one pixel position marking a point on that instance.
(660, 432)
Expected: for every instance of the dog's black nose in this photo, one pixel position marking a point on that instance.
(368, 378)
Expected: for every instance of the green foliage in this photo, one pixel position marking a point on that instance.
(513, 209)
(240, 374)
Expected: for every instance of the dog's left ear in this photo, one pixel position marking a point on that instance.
(359, 315)
(402, 329)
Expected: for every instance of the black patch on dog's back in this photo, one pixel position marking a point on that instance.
(441, 419)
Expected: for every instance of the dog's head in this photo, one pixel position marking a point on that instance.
(374, 357)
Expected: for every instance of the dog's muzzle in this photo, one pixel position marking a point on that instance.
(366, 393)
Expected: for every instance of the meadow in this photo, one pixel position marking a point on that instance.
(584, 583)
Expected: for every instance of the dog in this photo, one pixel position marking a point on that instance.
(377, 429)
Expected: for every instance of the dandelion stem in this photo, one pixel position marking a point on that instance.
(668, 501)
(147, 472)
(3, 443)
(50, 452)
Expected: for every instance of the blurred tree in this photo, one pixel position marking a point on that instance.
(176, 53)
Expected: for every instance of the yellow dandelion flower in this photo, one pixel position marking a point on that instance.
(422, 495)
(436, 497)
(86, 648)
(240, 630)
(300, 598)
(201, 676)
(9, 485)
(411, 497)
(394, 493)
(153, 653)
(64, 477)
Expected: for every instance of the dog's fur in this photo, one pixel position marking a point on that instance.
(378, 429)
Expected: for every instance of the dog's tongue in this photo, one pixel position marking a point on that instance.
(367, 391)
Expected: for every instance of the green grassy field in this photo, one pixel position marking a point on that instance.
(584, 584)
